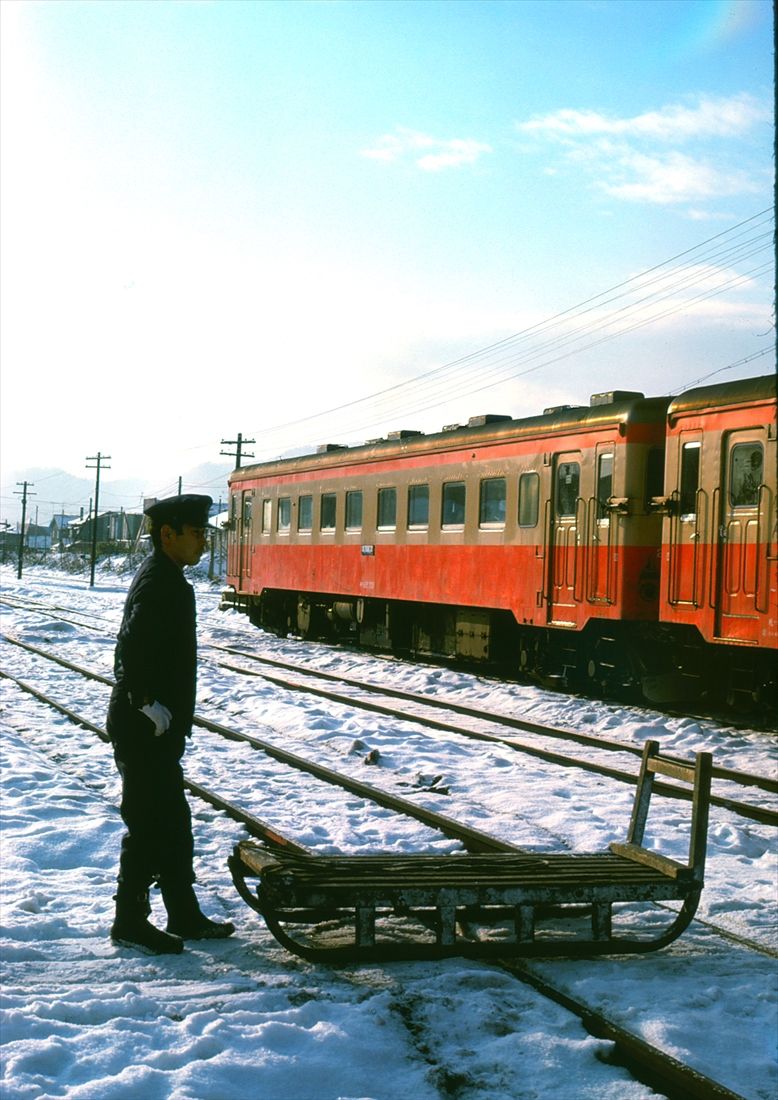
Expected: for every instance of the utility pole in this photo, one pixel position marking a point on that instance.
(23, 494)
(99, 459)
(238, 454)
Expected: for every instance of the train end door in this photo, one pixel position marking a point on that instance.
(566, 524)
(245, 519)
(743, 537)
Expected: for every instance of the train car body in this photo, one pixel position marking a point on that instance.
(719, 550)
(563, 545)
(497, 539)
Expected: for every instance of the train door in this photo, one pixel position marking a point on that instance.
(232, 537)
(742, 551)
(565, 539)
(244, 536)
(688, 525)
(601, 528)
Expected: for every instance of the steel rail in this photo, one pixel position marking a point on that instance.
(474, 840)
(743, 809)
(663, 1072)
(744, 779)
(253, 824)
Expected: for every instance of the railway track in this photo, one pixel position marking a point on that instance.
(56, 611)
(754, 812)
(647, 1062)
(472, 840)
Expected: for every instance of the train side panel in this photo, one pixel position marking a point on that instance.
(550, 523)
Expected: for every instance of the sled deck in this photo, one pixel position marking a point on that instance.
(374, 908)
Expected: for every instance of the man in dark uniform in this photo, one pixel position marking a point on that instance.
(149, 718)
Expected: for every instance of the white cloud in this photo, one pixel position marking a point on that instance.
(722, 117)
(429, 154)
(675, 178)
(627, 157)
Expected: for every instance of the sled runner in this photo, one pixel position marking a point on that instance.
(532, 904)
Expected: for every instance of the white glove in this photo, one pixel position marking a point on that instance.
(159, 715)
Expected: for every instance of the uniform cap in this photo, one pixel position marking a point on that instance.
(188, 508)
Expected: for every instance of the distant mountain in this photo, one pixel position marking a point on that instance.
(53, 491)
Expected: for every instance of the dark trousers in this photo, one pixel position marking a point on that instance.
(158, 844)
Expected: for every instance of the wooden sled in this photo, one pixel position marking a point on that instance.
(385, 907)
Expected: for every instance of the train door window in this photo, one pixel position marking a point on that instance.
(354, 511)
(267, 514)
(452, 512)
(284, 520)
(491, 509)
(604, 484)
(418, 505)
(568, 482)
(655, 474)
(234, 509)
(328, 511)
(745, 475)
(387, 509)
(529, 499)
(305, 513)
(690, 478)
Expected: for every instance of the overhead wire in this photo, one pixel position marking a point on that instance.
(425, 391)
(625, 307)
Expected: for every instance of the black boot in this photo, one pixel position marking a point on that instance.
(185, 919)
(132, 929)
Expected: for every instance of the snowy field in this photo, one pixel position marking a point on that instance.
(241, 1019)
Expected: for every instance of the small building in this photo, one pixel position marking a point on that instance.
(60, 529)
(116, 527)
(36, 537)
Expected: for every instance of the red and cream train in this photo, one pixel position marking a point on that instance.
(628, 543)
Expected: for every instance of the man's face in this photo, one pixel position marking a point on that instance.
(185, 548)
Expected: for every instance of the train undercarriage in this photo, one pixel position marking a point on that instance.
(653, 662)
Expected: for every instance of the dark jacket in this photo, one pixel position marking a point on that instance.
(156, 654)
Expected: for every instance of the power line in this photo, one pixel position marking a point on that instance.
(497, 362)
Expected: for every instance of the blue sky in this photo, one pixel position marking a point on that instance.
(223, 217)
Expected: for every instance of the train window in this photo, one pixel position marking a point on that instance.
(418, 505)
(284, 520)
(745, 475)
(568, 481)
(328, 512)
(234, 509)
(604, 484)
(452, 513)
(690, 478)
(529, 499)
(491, 511)
(267, 513)
(305, 513)
(387, 509)
(354, 510)
(655, 474)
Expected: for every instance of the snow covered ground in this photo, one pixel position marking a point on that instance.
(243, 1020)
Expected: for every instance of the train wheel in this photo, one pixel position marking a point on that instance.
(611, 665)
(311, 621)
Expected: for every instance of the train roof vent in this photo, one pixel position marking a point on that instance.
(452, 427)
(560, 409)
(323, 448)
(487, 418)
(610, 397)
(372, 442)
(403, 433)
